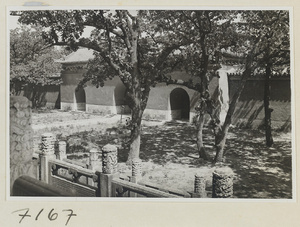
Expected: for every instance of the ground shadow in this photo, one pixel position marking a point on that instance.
(260, 172)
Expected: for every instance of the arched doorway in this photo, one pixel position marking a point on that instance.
(120, 99)
(80, 103)
(180, 104)
(119, 94)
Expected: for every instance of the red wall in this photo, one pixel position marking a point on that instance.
(250, 108)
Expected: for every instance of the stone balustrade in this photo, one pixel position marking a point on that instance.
(107, 181)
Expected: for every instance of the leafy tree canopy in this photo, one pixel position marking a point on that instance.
(269, 30)
(32, 60)
(122, 47)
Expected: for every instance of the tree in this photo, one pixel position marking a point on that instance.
(247, 33)
(257, 44)
(273, 29)
(32, 62)
(211, 32)
(208, 32)
(221, 130)
(122, 47)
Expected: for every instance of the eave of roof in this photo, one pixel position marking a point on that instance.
(80, 56)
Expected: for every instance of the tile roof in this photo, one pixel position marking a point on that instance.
(81, 55)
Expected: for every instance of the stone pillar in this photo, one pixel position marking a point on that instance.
(62, 150)
(93, 160)
(48, 152)
(136, 169)
(199, 187)
(109, 169)
(21, 139)
(222, 183)
(136, 173)
(48, 141)
(109, 159)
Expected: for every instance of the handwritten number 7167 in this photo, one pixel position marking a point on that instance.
(51, 215)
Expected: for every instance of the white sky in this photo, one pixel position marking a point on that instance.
(13, 22)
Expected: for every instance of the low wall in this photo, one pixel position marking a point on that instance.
(44, 96)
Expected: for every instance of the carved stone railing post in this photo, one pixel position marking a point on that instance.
(94, 158)
(136, 169)
(222, 183)
(109, 159)
(136, 173)
(199, 187)
(62, 150)
(109, 169)
(93, 161)
(48, 153)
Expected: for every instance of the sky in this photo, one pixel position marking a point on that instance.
(13, 22)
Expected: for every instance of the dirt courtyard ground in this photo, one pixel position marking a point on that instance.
(169, 154)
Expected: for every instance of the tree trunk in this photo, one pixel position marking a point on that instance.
(220, 145)
(34, 98)
(136, 96)
(135, 137)
(200, 146)
(268, 110)
(134, 150)
(204, 93)
(221, 135)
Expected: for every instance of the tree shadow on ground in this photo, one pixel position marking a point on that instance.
(260, 172)
(173, 142)
(167, 143)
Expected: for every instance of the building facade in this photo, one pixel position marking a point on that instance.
(166, 102)
(176, 102)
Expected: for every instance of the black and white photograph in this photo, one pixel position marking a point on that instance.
(184, 104)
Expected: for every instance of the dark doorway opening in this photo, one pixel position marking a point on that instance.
(180, 104)
(80, 99)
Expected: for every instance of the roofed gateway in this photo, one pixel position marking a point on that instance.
(165, 102)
